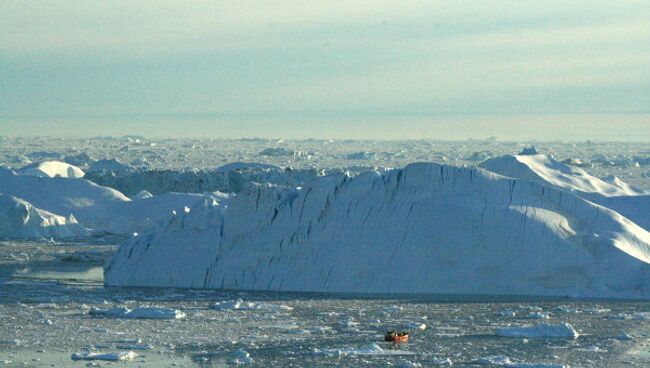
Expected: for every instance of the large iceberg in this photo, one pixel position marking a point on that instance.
(426, 229)
(21, 220)
(613, 193)
(99, 208)
(52, 169)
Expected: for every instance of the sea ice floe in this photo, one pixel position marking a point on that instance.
(500, 360)
(123, 356)
(442, 361)
(372, 349)
(134, 346)
(563, 330)
(241, 356)
(538, 315)
(504, 361)
(624, 336)
(138, 312)
(239, 304)
(408, 364)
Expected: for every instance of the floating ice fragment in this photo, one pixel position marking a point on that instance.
(139, 312)
(563, 330)
(442, 361)
(125, 356)
(408, 364)
(494, 360)
(624, 336)
(242, 357)
(393, 309)
(239, 304)
(416, 326)
(372, 349)
(538, 315)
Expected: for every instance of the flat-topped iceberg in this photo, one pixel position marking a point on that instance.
(426, 229)
(564, 330)
(122, 356)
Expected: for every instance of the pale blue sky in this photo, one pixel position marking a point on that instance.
(311, 68)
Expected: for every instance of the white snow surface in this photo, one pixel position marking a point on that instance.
(51, 169)
(96, 207)
(612, 192)
(437, 228)
(20, 220)
(563, 330)
(545, 169)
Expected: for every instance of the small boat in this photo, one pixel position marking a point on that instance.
(393, 336)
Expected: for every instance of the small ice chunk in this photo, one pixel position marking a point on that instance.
(416, 326)
(393, 309)
(624, 336)
(139, 312)
(538, 315)
(494, 360)
(242, 357)
(508, 313)
(372, 349)
(593, 349)
(134, 346)
(442, 361)
(239, 304)
(408, 364)
(563, 330)
(123, 356)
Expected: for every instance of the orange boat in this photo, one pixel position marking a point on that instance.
(393, 336)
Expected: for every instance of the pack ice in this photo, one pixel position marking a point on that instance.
(426, 228)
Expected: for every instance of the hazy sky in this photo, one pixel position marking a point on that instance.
(316, 68)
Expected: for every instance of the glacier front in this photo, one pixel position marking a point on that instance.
(423, 229)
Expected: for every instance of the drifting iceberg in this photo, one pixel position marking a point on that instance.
(20, 220)
(426, 228)
(563, 330)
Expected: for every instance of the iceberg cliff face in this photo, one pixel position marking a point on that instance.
(426, 229)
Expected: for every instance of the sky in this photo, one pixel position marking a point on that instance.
(322, 69)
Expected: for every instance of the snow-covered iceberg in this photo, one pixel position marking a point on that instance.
(99, 208)
(613, 193)
(57, 195)
(544, 169)
(20, 220)
(52, 169)
(426, 228)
